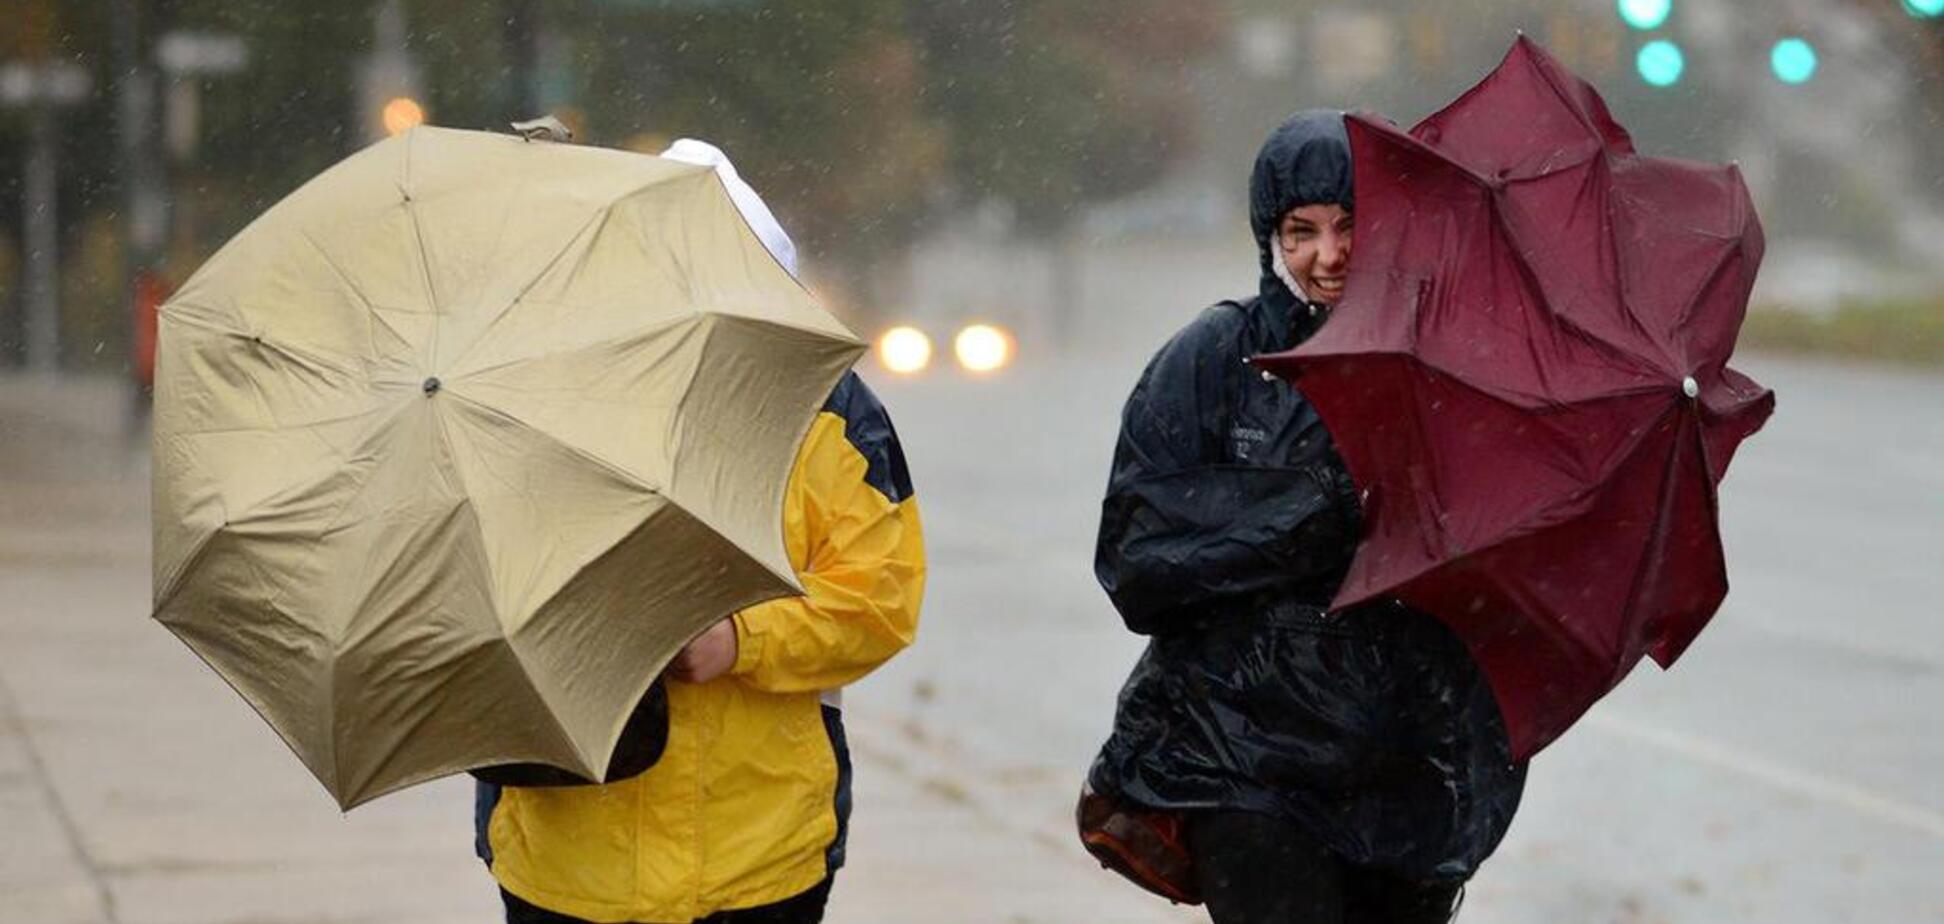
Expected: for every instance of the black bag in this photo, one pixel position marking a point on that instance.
(641, 744)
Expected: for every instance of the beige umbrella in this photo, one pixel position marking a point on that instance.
(459, 443)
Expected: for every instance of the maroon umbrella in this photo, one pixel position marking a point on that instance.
(1528, 374)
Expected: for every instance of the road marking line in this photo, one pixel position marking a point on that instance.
(14, 724)
(1815, 786)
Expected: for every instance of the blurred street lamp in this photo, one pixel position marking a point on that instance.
(1646, 15)
(1793, 60)
(388, 85)
(982, 348)
(401, 114)
(40, 88)
(904, 350)
(1660, 63)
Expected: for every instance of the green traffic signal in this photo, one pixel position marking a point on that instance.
(1649, 14)
(1924, 9)
(1793, 60)
(1660, 63)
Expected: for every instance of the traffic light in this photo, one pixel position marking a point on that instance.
(1924, 9)
(1794, 60)
(1647, 15)
(1660, 63)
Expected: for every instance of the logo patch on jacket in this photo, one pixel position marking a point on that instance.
(1245, 439)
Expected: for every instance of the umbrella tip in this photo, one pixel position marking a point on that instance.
(544, 128)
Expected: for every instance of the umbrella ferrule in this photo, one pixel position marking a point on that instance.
(431, 385)
(1690, 387)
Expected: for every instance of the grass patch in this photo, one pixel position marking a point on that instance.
(1904, 332)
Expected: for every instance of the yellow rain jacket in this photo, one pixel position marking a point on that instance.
(748, 804)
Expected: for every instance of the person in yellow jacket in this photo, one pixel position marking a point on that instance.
(743, 817)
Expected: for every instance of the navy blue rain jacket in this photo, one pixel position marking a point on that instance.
(1228, 525)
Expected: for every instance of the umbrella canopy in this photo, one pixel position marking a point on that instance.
(459, 443)
(1528, 374)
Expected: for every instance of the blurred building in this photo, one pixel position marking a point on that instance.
(1833, 142)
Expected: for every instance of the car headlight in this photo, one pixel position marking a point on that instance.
(904, 350)
(982, 348)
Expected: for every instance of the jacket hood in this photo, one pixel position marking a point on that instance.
(751, 205)
(1305, 161)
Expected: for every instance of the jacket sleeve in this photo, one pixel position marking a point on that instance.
(1182, 529)
(859, 553)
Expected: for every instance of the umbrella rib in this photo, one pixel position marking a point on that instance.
(1613, 244)
(1656, 546)
(654, 328)
(1613, 351)
(596, 221)
(576, 451)
(371, 310)
(1499, 394)
(303, 357)
(172, 585)
(553, 718)
(1532, 523)
(744, 219)
(1490, 187)
(1694, 298)
(1620, 283)
(335, 522)
(1583, 118)
(418, 237)
(272, 428)
(374, 585)
(1525, 527)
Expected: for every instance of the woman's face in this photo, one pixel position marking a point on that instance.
(1315, 242)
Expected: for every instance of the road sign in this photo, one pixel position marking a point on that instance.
(59, 84)
(201, 53)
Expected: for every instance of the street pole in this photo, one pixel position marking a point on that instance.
(42, 239)
(520, 40)
(41, 88)
(146, 205)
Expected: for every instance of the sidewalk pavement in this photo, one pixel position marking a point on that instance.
(136, 788)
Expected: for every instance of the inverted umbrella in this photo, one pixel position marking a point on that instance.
(459, 443)
(1528, 374)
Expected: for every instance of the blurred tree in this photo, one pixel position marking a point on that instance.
(1053, 104)
(859, 119)
(288, 115)
(41, 32)
(817, 103)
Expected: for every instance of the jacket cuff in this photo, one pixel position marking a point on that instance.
(749, 645)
